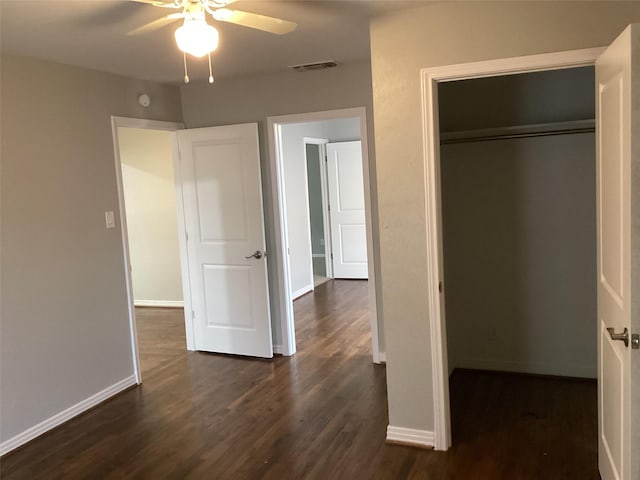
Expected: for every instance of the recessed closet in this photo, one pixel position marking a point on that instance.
(519, 222)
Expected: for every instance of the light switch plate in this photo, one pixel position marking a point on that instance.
(110, 219)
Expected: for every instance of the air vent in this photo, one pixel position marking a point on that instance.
(306, 67)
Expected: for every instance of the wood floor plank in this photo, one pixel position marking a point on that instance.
(321, 414)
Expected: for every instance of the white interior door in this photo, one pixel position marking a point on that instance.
(346, 210)
(222, 195)
(618, 189)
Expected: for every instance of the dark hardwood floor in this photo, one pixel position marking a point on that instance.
(321, 414)
(522, 427)
(161, 337)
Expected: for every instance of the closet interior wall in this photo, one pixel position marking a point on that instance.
(519, 222)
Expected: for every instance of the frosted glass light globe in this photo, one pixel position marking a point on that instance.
(196, 37)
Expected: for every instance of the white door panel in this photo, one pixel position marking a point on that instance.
(347, 215)
(618, 149)
(354, 244)
(220, 171)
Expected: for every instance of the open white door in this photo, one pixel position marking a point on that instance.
(222, 195)
(346, 210)
(618, 191)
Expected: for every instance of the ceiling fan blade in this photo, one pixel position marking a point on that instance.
(156, 24)
(219, 3)
(254, 20)
(158, 3)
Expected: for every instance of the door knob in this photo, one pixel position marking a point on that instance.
(257, 255)
(623, 337)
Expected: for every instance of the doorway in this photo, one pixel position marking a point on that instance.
(279, 128)
(323, 188)
(435, 289)
(319, 227)
(148, 218)
(190, 229)
(517, 164)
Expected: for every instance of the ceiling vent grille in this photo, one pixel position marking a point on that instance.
(307, 67)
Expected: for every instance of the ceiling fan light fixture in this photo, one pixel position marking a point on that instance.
(196, 37)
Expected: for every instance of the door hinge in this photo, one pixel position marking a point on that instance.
(186, 234)
(331, 256)
(635, 341)
(193, 314)
(440, 287)
(328, 207)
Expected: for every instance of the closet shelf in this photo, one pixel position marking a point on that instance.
(520, 131)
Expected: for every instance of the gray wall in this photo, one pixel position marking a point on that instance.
(296, 203)
(524, 99)
(64, 331)
(519, 229)
(401, 44)
(253, 99)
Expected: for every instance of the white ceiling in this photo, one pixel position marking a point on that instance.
(92, 34)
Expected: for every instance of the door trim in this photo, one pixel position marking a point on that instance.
(322, 150)
(281, 261)
(430, 77)
(142, 123)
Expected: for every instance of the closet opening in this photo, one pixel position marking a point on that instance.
(518, 204)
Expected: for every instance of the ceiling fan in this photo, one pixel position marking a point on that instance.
(217, 9)
(196, 37)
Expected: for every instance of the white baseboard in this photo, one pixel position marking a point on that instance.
(277, 349)
(302, 291)
(159, 303)
(68, 414)
(410, 436)
(382, 356)
(318, 255)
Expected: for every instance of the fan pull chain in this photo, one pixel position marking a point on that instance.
(210, 73)
(186, 75)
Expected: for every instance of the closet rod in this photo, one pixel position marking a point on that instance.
(524, 131)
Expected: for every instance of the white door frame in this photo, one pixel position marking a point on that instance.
(322, 150)
(431, 157)
(281, 260)
(125, 122)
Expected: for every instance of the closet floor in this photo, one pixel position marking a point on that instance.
(512, 426)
